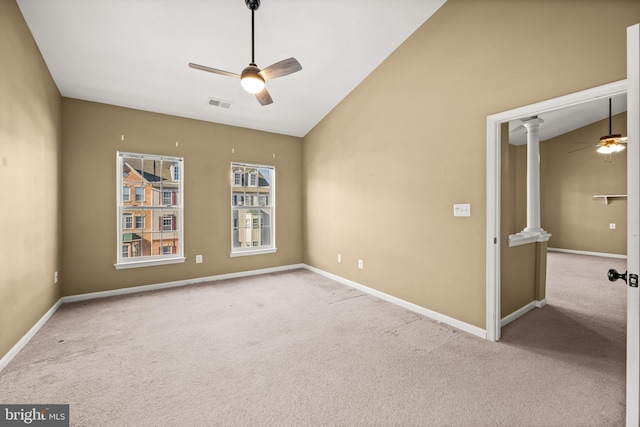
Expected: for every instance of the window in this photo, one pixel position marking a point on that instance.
(168, 223)
(237, 177)
(253, 178)
(150, 228)
(252, 209)
(175, 172)
(167, 197)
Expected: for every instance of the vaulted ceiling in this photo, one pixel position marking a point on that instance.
(134, 53)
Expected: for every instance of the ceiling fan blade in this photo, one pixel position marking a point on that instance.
(281, 68)
(263, 97)
(583, 148)
(213, 70)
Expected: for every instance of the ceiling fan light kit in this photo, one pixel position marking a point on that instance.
(611, 143)
(252, 78)
(611, 148)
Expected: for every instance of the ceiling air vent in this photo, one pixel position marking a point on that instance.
(219, 103)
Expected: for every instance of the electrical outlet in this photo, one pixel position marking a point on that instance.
(55, 277)
(339, 258)
(198, 259)
(612, 226)
(360, 264)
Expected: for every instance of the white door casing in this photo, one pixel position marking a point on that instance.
(493, 315)
(633, 224)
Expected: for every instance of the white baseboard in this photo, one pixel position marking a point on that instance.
(466, 327)
(175, 284)
(601, 254)
(27, 337)
(471, 329)
(522, 311)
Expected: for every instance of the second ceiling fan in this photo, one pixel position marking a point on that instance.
(253, 78)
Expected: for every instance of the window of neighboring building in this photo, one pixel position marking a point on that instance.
(252, 209)
(128, 220)
(167, 197)
(150, 230)
(176, 171)
(237, 177)
(253, 178)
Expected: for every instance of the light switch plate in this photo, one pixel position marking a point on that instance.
(462, 209)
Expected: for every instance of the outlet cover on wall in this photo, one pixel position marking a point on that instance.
(360, 264)
(198, 259)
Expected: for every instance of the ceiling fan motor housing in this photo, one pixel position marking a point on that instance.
(252, 4)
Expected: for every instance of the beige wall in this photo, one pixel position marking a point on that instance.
(383, 169)
(518, 278)
(576, 220)
(378, 176)
(92, 136)
(29, 172)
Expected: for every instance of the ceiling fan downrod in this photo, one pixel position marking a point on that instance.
(253, 5)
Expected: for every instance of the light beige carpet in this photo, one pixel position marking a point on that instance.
(297, 349)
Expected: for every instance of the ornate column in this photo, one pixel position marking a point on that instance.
(533, 174)
(533, 232)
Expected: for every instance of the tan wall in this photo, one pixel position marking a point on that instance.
(576, 220)
(92, 136)
(410, 141)
(29, 172)
(517, 264)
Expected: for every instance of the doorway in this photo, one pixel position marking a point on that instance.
(494, 239)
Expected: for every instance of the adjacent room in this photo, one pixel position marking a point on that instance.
(311, 250)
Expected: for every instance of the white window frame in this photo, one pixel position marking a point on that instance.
(151, 260)
(242, 204)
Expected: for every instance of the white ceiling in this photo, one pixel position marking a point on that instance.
(134, 53)
(561, 121)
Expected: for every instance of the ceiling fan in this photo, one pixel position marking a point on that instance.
(253, 78)
(611, 143)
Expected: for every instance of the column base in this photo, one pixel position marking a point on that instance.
(528, 236)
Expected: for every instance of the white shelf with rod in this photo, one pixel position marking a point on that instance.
(607, 197)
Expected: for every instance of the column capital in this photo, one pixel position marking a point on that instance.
(532, 122)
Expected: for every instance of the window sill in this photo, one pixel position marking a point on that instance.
(149, 263)
(254, 252)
